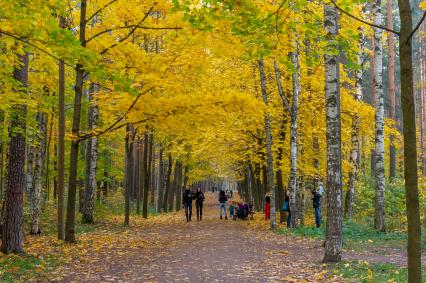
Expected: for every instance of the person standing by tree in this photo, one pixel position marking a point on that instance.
(199, 199)
(222, 201)
(187, 203)
(267, 209)
(316, 201)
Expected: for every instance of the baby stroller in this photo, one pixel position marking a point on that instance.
(245, 211)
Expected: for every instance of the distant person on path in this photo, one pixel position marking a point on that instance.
(316, 201)
(222, 201)
(232, 209)
(286, 208)
(187, 203)
(199, 199)
(267, 208)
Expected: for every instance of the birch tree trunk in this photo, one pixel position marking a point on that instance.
(354, 156)
(391, 89)
(269, 157)
(333, 232)
(294, 56)
(38, 168)
(379, 219)
(15, 184)
(282, 136)
(91, 157)
(410, 151)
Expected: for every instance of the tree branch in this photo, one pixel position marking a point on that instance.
(35, 46)
(129, 34)
(100, 9)
(127, 27)
(361, 20)
(111, 127)
(417, 27)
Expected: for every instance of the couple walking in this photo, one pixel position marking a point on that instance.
(187, 199)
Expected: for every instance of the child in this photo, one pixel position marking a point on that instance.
(267, 208)
(232, 211)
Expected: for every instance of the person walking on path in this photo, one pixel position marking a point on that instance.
(187, 203)
(199, 199)
(222, 201)
(267, 208)
(316, 201)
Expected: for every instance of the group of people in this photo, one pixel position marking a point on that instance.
(243, 210)
(188, 197)
(316, 203)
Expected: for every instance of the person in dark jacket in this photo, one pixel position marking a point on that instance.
(287, 207)
(199, 199)
(316, 201)
(187, 203)
(222, 201)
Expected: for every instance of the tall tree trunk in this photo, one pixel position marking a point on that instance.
(139, 174)
(333, 232)
(253, 177)
(172, 190)
(38, 168)
(269, 157)
(14, 203)
(152, 173)
(146, 172)
(78, 93)
(373, 99)
(379, 219)
(391, 89)
(294, 56)
(130, 136)
(91, 157)
(354, 156)
(30, 165)
(410, 151)
(282, 135)
(61, 144)
(302, 199)
(159, 179)
(167, 191)
(1, 157)
(178, 184)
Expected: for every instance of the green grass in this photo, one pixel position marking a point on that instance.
(357, 271)
(17, 267)
(357, 236)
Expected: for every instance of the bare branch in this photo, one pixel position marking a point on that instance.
(361, 20)
(111, 127)
(35, 46)
(127, 27)
(416, 28)
(100, 9)
(129, 34)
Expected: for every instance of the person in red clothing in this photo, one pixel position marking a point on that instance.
(267, 208)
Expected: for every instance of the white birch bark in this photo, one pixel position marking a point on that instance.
(333, 233)
(379, 220)
(294, 56)
(269, 158)
(38, 168)
(354, 156)
(91, 157)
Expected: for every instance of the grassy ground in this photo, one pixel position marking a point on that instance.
(44, 253)
(361, 238)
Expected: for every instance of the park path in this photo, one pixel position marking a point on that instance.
(209, 251)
